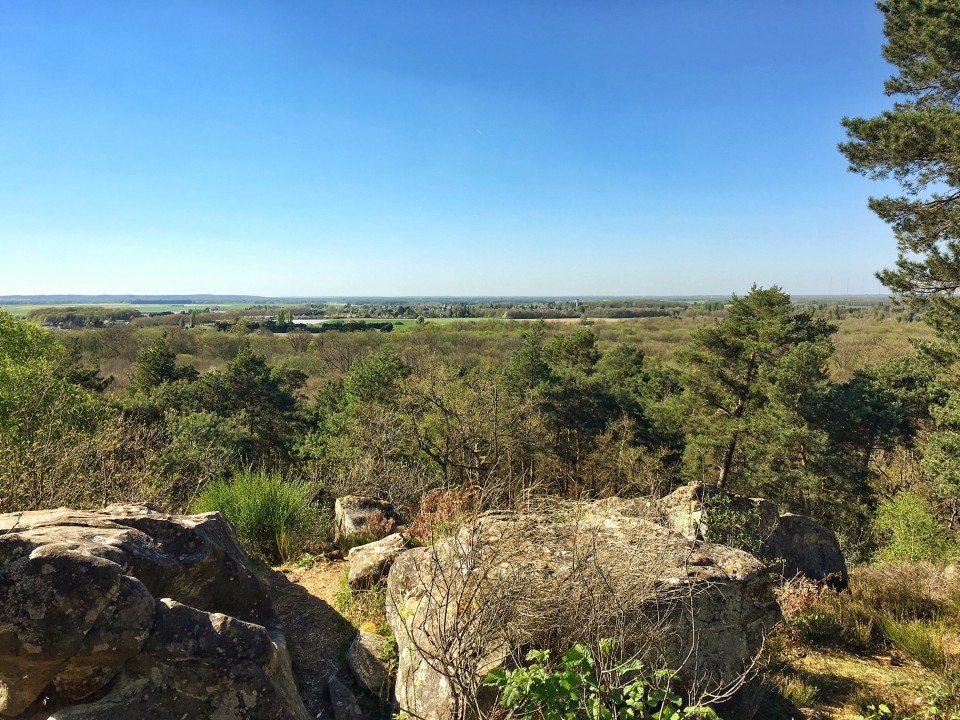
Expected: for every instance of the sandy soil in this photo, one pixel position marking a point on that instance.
(316, 633)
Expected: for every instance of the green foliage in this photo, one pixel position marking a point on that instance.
(907, 528)
(918, 639)
(754, 383)
(274, 516)
(737, 527)
(157, 364)
(585, 686)
(363, 608)
(915, 144)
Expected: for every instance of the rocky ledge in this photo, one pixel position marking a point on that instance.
(127, 612)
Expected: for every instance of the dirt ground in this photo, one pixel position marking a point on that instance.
(317, 634)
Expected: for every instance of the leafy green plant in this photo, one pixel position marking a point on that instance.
(273, 516)
(741, 528)
(585, 686)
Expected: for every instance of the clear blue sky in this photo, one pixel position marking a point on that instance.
(491, 147)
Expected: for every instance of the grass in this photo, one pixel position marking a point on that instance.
(365, 609)
(274, 517)
(893, 639)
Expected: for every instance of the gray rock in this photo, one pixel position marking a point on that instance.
(808, 549)
(803, 546)
(366, 658)
(364, 517)
(510, 582)
(344, 702)
(370, 563)
(128, 612)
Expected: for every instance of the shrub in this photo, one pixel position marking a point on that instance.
(582, 686)
(273, 516)
(365, 609)
(907, 528)
(443, 511)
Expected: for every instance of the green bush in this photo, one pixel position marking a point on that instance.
(585, 686)
(273, 516)
(907, 528)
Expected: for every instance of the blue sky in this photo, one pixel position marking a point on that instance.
(421, 148)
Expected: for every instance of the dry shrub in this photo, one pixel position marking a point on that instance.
(903, 591)
(443, 511)
(112, 462)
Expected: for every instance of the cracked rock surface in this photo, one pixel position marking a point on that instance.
(128, 612)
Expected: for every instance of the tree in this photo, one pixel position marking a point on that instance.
(763, 356)
(917, 144)
(157, 364)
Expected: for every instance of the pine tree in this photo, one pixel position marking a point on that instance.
(917, 144)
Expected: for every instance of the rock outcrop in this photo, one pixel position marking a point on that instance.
(801, 544)
(370, 563)
(128, 612)
(510, 582)
(356, 516)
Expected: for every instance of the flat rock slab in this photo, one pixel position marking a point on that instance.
(370, 563)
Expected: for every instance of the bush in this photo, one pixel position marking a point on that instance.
(907, 528)
(443, 511)
(584, 686)
(274, 517)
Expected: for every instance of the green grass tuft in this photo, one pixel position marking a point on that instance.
(273, 516)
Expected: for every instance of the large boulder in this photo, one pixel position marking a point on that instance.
(511, 582)
(128, 612)
(364, 518)
(801, 544)
(370, 563)
(807, 548)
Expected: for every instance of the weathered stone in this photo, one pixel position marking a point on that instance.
(803, 546)
(344, 702)
(367, 660)
(509, 582)
(128, 612)
(808, 549)
(365, 517)
(370, 563)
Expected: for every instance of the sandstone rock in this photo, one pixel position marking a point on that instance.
(366, 659)
(804, 546)
(510, 582)
(807, 548)
(370, 563)
(344, 702)
(128, 612)
(366, 517)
